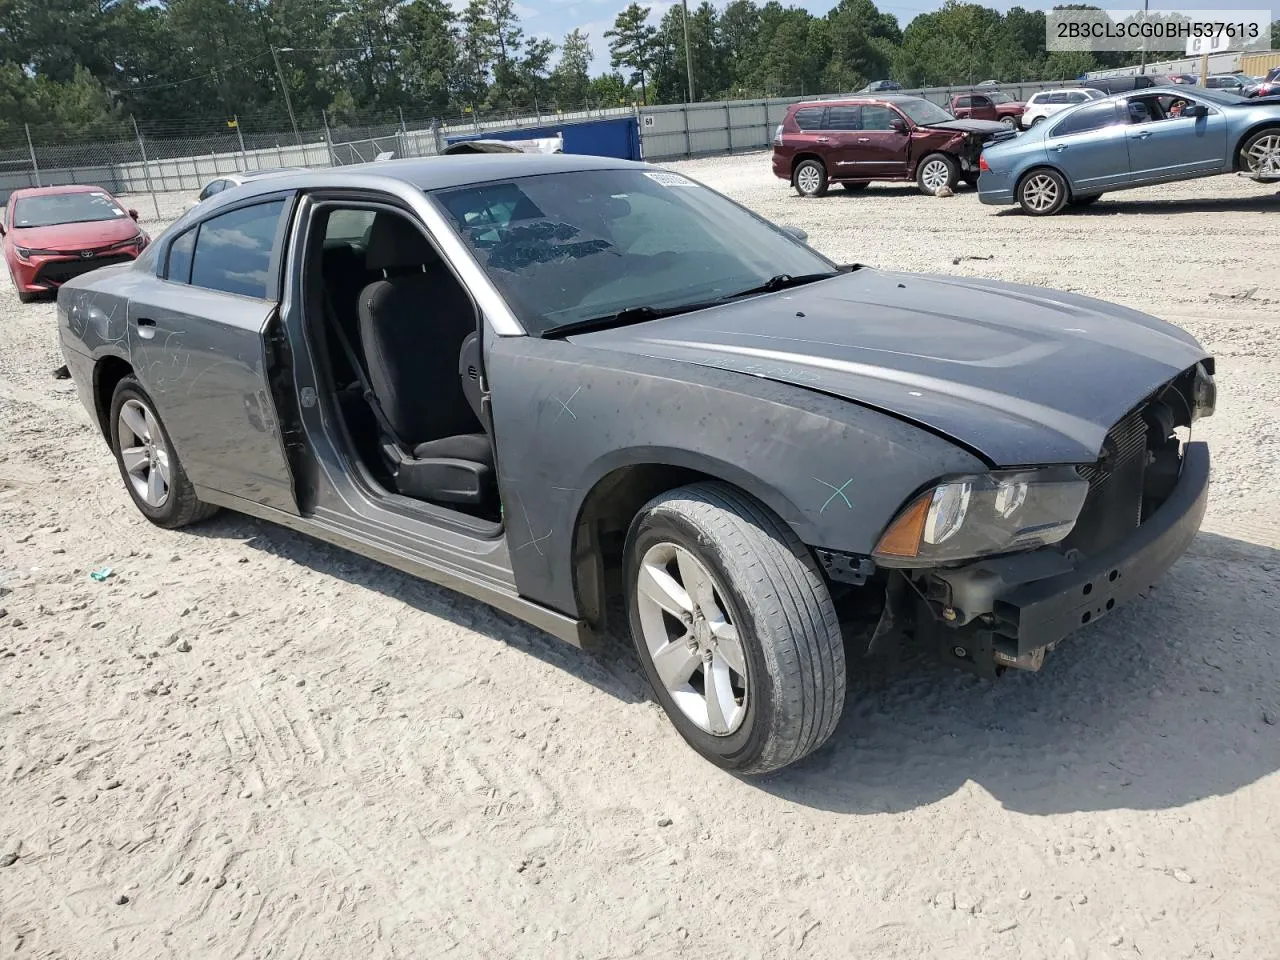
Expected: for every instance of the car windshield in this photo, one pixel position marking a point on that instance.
(922, 112)
(58, 208)
(1223, 97)
(564, 248)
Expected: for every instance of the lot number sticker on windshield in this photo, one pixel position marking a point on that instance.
(669, 179)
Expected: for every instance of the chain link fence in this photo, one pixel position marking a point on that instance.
(133, 156)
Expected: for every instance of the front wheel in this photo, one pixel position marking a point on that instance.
(734, 627)
(1035, 121)
(937, 171)
(1010, 122)
(1260, 155)
(811, 179)
(1042, 193)
(152, 473)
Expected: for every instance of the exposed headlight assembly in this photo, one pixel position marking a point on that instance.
(961, 518)
(26, 253)
(1204, 393)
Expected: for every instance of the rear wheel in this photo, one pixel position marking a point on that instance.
(734, 627)
(937, 171)
(150, 468)
(1260, 155)
(1010, 122)
(1035, 121)
(811, 179)
(855, 186)
(1042, 193)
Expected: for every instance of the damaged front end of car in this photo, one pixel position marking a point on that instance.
(990, 572)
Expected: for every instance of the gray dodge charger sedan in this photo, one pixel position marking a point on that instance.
(550, 382)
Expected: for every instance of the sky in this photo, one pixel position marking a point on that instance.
(554, 18)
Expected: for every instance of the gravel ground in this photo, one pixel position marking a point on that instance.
(248, 744)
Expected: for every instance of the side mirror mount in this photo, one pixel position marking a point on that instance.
(1196, 110)
(796, 232)
(133, 213)
(898, 125)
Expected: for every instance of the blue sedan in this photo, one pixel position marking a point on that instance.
(1135, 139)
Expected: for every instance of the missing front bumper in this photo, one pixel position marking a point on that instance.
(1005, 613)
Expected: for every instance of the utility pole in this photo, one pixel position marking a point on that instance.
(1146, 6)
(688, 57)
(288, 102)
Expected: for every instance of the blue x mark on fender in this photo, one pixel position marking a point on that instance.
(836, 492)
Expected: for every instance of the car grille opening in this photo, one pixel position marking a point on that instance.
(1113, 508)
(60, 271)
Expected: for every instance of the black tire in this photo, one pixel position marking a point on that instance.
(24, 297)
(767, 583)
(1033, 191)
(1086, 201)
(181, 506)
(856, 186)
(1246, 160)
(1035, 121)
(939, 167)
(810, 178)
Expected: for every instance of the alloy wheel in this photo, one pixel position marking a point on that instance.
(143, 452)
(1041, 192)
(693, 644)
(935, 175)
(1264, 155)
(808, 180)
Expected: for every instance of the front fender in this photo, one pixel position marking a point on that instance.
(566, 416)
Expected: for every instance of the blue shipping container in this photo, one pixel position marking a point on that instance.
(613, 137)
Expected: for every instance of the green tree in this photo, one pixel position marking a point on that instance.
(631, 44)
(571, 77)
(477, 52)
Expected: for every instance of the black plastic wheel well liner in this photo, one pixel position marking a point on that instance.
(800, 158)
(107, 372)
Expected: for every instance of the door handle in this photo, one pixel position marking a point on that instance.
(1061, 146)
(823, 140)
(864, 139)
(1141, 136)
(146, 327)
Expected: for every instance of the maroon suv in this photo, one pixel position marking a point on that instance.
(857, 140)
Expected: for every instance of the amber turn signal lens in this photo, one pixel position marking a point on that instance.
(902, 539)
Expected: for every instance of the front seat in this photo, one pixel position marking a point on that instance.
(413, 324)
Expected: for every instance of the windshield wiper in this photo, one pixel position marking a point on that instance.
(781, 281)
(623, 317)
(640, 314)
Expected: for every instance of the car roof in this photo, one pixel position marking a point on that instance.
(53, 191)
(434, 173)
(859, 98)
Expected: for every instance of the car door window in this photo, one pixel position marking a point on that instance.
(842, 118)
(349, 226)
(233, 251)
(178, 267)
(981, 103)
(1142, 110)
(216, 186)
(809, 118)
(964, 101)
(1087, 119)
(878, 118)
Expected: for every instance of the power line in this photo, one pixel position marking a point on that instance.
(212, 73)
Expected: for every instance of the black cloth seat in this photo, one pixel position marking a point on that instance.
(464, 446)
(413, 324)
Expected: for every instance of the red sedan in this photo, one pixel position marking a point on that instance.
(51, 234)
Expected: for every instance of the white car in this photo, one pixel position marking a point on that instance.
(229, 180)
(1048, 102)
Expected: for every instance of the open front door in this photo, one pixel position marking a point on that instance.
(203, 345)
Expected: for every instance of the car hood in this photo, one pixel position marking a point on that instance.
(76, 236)
(968, 126)
(1019, 374)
